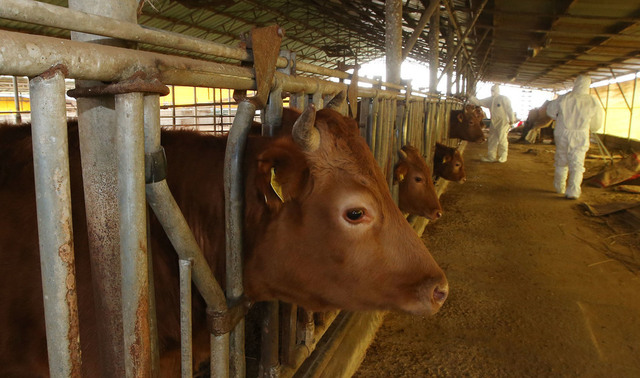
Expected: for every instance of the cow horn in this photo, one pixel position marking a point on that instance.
(402, 154)
(304, 132)
(336, 102)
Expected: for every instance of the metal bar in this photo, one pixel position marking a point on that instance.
(234, 196)
(53, 199)
(133, 238)
(16, 99)
(64, 18)
(186, 354)
(269, 356)
(393, 39)
(417, 31)
(434, 51)
(463, 37)
(97, 130)
(633, 100)
(152, 126)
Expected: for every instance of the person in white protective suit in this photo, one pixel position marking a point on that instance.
(502, 117)
(577, 114)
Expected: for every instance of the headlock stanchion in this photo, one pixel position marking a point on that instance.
(389, 116)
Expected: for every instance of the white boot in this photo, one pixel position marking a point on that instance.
(560, 179)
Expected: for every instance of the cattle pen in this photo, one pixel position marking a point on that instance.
(118, 68)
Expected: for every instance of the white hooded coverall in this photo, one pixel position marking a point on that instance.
(576, 114)
(501, 118)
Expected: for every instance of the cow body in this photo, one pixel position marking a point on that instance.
(330, 238)
(537, 119)
(448, 163)
(417, 194)
(466, 125)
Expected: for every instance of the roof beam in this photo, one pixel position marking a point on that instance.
(424, 18)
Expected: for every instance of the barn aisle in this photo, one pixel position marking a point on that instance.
(538, 287)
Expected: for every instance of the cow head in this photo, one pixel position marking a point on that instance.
(448, 163)
(466, 126)
(332, 237)
(417, 194)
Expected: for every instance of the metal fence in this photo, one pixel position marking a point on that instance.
(390, 116)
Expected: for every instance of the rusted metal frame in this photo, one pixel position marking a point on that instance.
(186, 340)
(133, 238)
(463, 37)
(112, 64)
(175, 226)
(417, 31)
(64, 18)
(53, 200)
(97, 133)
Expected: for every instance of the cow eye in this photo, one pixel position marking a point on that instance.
(418, 179)
(354, 215)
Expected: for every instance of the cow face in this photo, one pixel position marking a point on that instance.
(335, 238)
(465, 126)
(448, 163)
(417, 194)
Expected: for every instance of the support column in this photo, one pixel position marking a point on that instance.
(434, 50)
(16, 99)
(393, 39)
(97, 129)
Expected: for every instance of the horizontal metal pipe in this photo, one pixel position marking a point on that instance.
(39, 13)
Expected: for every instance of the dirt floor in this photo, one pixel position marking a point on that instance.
(539, 288)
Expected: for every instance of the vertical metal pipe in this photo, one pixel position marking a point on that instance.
(133, 238)
(434, 48)
(53, 199)
(393, 39)
(269, 362)
(152, 134)
(185, 319)
(633, 100)
(173, 104)
(16, 99)
(97, 129)
(234, 195)
(273, 112)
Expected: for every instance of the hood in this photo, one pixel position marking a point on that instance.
(495, 90)
(581, 85)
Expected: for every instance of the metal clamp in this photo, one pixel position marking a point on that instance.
(223, 322)
(138, 82)
(155, 166)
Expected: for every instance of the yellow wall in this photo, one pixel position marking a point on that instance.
(7, 104)
(618, 113)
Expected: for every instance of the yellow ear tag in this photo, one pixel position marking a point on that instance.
(275, 185)
(400, 178)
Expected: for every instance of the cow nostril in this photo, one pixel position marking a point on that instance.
(438, 214)
(440, 294)
(463, 180)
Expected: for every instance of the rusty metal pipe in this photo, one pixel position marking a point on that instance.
(234, 215)
(186, 354)
(133, 237)
(53, 199)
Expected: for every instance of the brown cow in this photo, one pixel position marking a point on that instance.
(537, 119)
(466, 126)
(417, 194)
(448, 163)
(332, 237)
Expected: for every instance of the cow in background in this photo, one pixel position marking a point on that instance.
(537, 119)
(417, 194)
(448, 163)
(322, 231)
(466, 125)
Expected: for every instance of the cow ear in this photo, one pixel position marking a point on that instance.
(281, 176)
(460, 117)
(400, 172)
(446, 159)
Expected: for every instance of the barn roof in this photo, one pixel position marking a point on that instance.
(534, 43)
